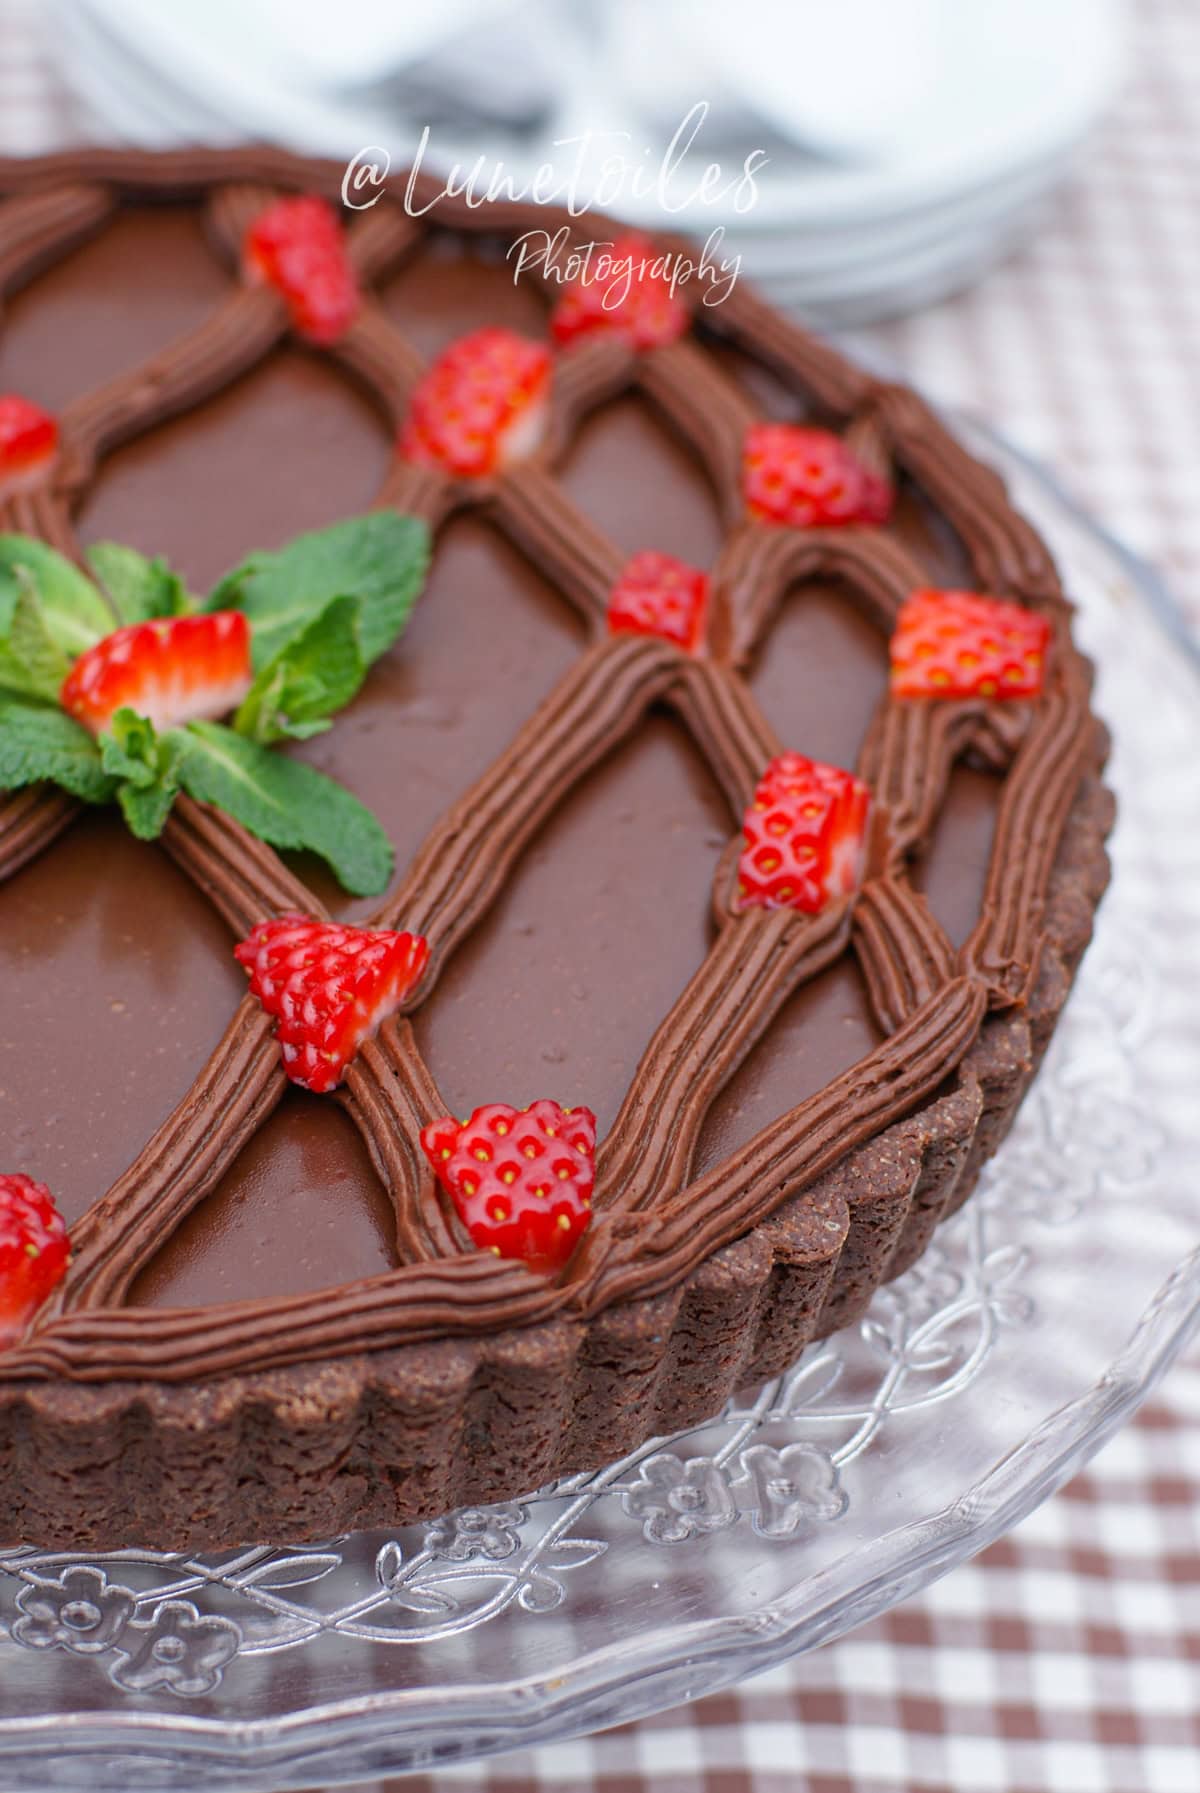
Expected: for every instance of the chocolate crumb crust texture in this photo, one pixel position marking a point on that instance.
(456, 1376)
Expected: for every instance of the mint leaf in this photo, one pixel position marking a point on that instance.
(130, 748)
(146, 811)
(75, 614)
(286, 803)
(30, 662)
(380, 558)
(316, 673)
(140, 589)
(38, 743)
(146, 766)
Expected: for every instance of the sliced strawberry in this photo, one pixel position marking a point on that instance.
(809, 479)
(481, 406)
(805, 834)
(624, 291)
(297, 246)
(33, 1251)
(659, 595)
(520, 1178)
(28, 442)
(172, 670)
(962, 644)
(329, 988)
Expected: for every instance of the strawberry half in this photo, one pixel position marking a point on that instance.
(809, 479)
(481, 406)
(805, 835)
(520, 1178)
(962, 644)
(28, 442)
(297, 246)
(328, 987)
(172, 670)
(659, 595)
(623, 290)
(33, 1252)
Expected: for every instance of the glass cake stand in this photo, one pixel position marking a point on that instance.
(976, 1385)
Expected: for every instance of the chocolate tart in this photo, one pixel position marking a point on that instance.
(272, 1325)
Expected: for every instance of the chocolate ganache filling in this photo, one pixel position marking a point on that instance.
(562, 802)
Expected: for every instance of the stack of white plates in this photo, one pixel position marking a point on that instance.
(909, 142)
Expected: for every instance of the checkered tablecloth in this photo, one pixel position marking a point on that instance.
(1085, 348)
(1065, 1659)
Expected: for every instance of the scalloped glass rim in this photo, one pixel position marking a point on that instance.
(380, 1731)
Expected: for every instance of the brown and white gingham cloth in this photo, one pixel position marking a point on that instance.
(1065, 1659)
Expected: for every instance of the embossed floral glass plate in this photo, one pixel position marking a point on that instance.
(973, 1388)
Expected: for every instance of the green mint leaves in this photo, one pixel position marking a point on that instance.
(39, 743)
(74, 613)
(277, 799)
(147, 768)
(286, 803)
(381, 559)
(138, 589)
(31, 662)
(321, 611)
(314, 674)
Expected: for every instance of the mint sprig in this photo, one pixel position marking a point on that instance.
(321, 611)
(139, 589)
(381, 559)
(75, 614)
(39, 744)
(286, 803)
(31, 662)
(146, 766)
(279, 800)
(313, 675)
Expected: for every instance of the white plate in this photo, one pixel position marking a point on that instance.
(943, 249)
(134, 102)
(999, 119)
(1016, 86)
(1013, 83)
(802, 252)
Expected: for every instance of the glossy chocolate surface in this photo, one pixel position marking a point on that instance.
(118, 978)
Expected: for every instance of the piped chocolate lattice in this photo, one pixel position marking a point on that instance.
(855, 1176)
